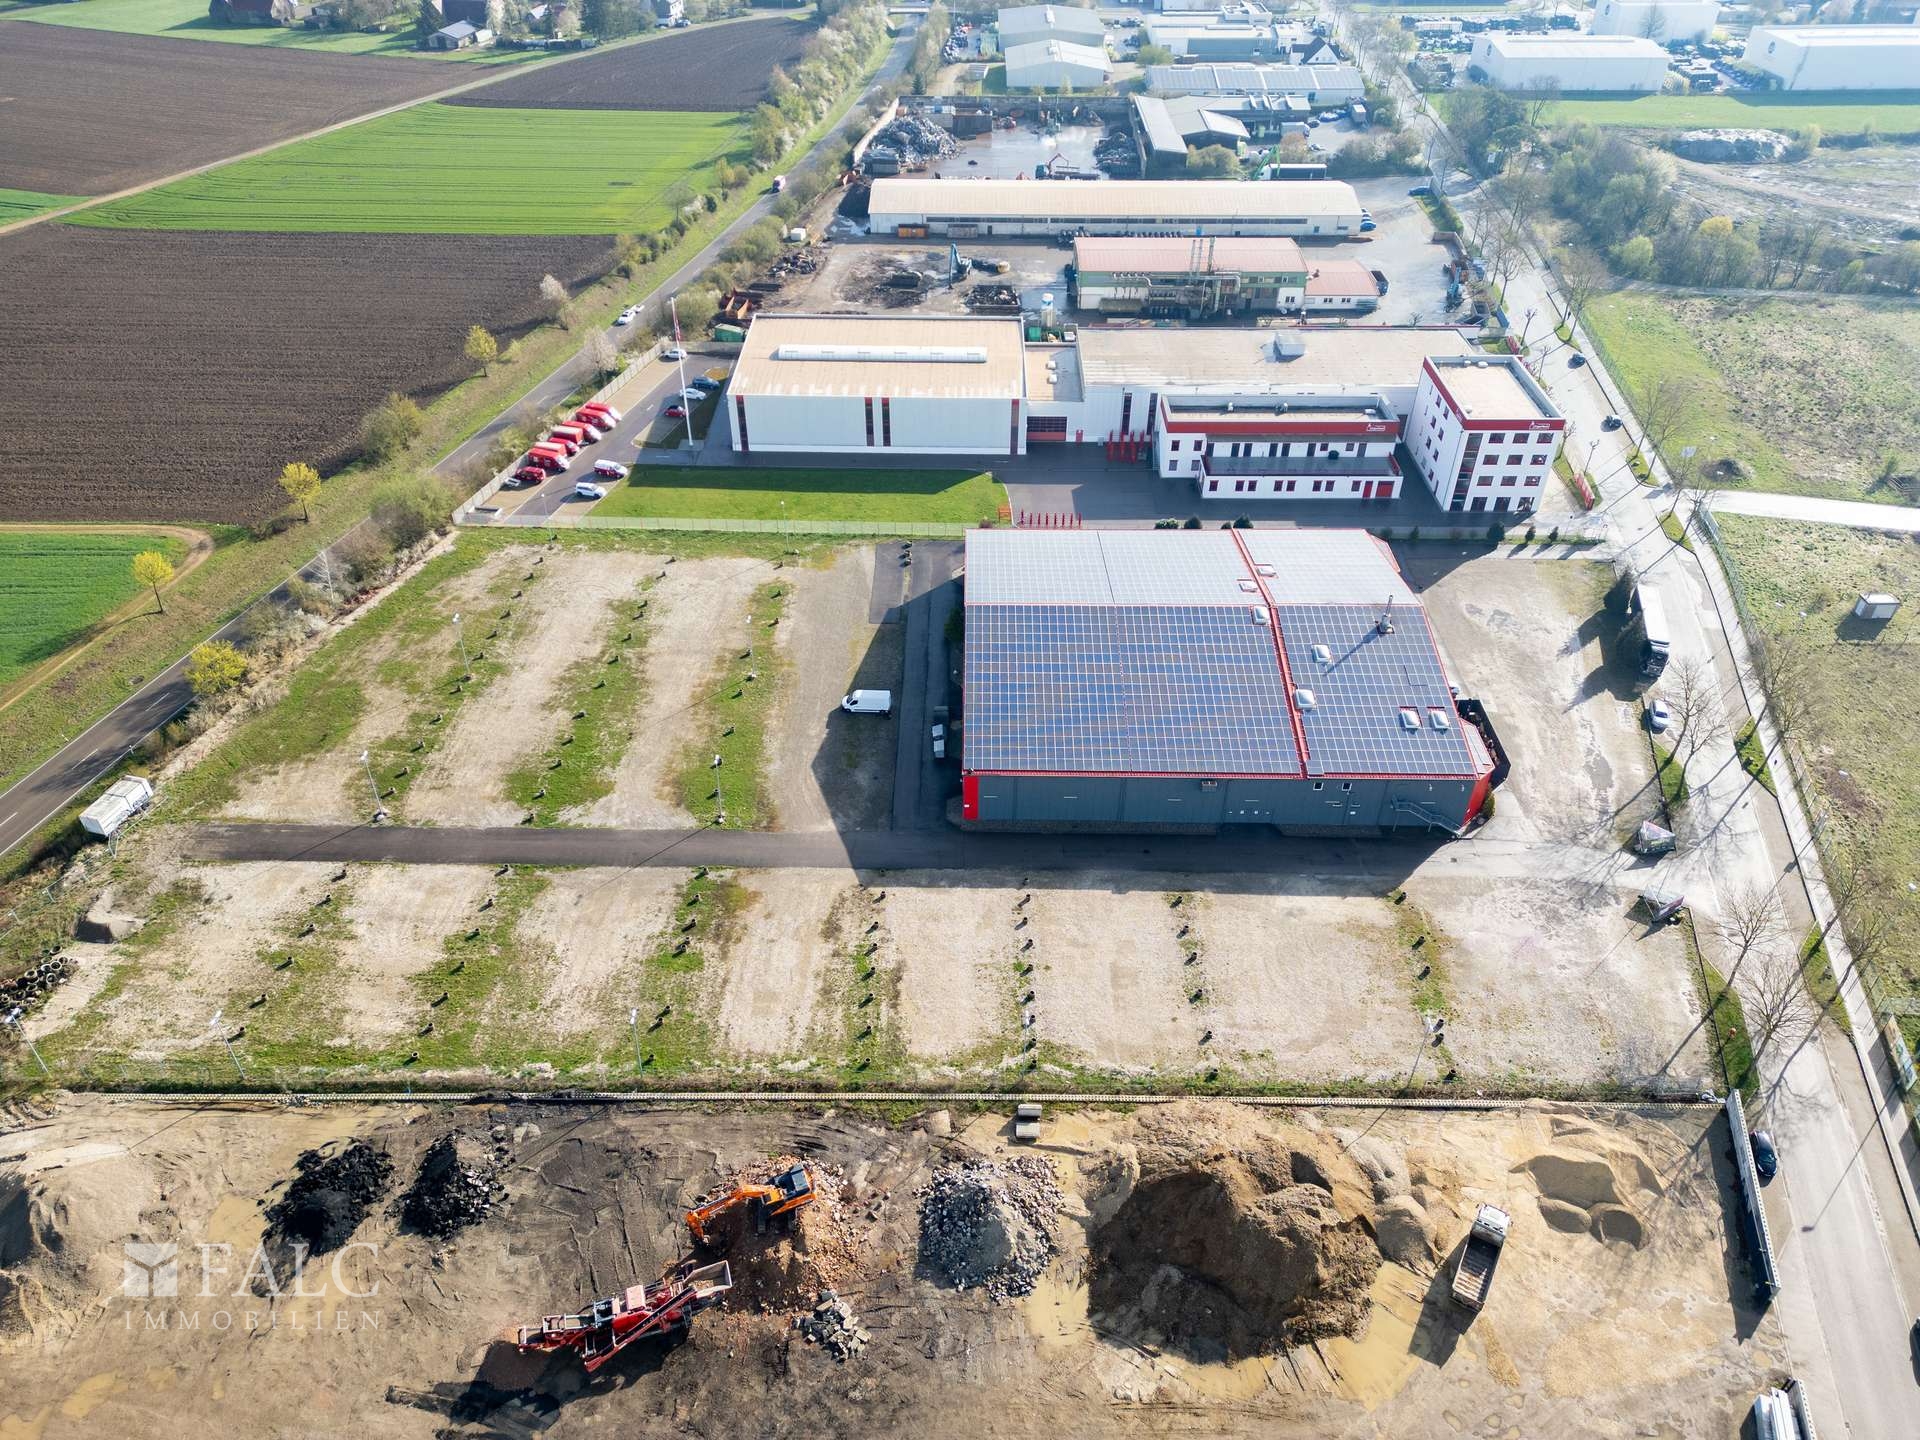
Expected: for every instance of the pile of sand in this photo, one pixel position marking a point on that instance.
(1224, 1231)
(1594, 1181)
(65, 1218)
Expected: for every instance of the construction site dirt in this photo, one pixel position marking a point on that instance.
(129, 1301)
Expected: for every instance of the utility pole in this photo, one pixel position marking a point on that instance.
(379, 810)
(214, 1025)
(16, 1017)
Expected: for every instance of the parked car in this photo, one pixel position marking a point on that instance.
(1421, 190)
(1576, 360)
(1612, 422)
(527, 475)
(587, 490)
(705, 384)
(1659, 716)
(939, 742)
(612, 469)
(675, 412)
(673, 352)
(1766, 1159)
(627, 316)
(691, 396)
(868, 702)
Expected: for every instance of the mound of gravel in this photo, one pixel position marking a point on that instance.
(987, 1224)
(329, 1197)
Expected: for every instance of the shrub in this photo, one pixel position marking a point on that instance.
(409, 510)
(391, 428)
(215, 668)
(1531, 532)
(362, 556)
(1414, 533)
(1553, 534)
(1243, 522)
(1193, 523)
(308, 599)
(1496, 532)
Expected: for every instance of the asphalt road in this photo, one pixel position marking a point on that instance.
(44, 793)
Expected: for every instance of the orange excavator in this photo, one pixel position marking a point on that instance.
(782, 1194)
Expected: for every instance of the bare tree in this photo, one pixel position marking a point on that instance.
(1693, 694)
(1660, 403)
(1581, 277)
(1542, 92)
(1778, 1005)
(1783, 666)
(1752, 921)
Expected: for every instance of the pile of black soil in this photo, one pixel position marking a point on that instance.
(329, 1197)
(450, 1193)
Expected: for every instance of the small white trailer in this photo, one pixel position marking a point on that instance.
(124, 799)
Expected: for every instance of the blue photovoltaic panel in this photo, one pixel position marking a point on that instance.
(1355, 726)
(1146, 689)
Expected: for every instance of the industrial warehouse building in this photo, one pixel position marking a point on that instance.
(1837, 57)
(1217, 38)
(1195, 279)
(1038, 24)
(1168, 127)
(1242, 415)
(1574, 64)
(1051, 64)
(1657, 19)
(966, 209)
(1319, 84)
(1145, 679)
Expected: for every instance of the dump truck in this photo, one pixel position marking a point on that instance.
(125, 798)
(1473, 1276)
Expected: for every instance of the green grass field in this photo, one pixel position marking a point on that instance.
(22, 204)
(1861, 746)
(188, 20)
(1827, 423)
(955, 497)
(1892, 112)
(55, 585)
(456, 170)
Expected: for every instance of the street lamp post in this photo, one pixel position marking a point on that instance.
(17, 1018)
(460, 635)
(633, 1022)
(379, 810)
(214, 1025)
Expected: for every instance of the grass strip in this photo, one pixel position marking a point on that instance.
(1753, 755)
(960, 497)
(1816, 968)
(730, 793)
(675, 1037)
(1672, 776)
(1672, 527)
(1726, 1021)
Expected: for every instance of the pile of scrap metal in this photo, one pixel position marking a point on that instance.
(907, 143)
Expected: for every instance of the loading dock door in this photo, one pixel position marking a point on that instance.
(1046, 429)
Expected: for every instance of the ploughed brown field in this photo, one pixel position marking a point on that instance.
(721, 67)
(88, 112)
(170, 375)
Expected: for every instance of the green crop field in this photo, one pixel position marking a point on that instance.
(20, 204)
(188, 20)
(955, 497)
(1826, 425)
(55, 585)
(1891, 112)
(457, 170)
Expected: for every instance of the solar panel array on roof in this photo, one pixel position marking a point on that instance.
(1146, 690)
(1357, 724)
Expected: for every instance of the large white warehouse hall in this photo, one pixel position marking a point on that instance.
(964, 209)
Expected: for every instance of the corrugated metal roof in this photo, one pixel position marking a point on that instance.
(1061, 19)
(1174, 254)
(1056, 52)
(1163, 136)
(1155, 201)
(1243, 361)
(1573, 47)
(959, 357)
(1246, 79)
(1341, 277)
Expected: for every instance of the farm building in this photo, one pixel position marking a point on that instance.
(966, 209)
(1575, 64)
(1189, 278)
(259, 12)
(1837, 57)
(1051, 64)
(459, 36)
(1318, 84)
(1657, 19)
(1266, 415)
(1128, 679)
(1037, 24)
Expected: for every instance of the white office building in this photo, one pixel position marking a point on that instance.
(1056, 64)
(1660, 20)
(1482, 433)
(1838, 57)
(1574, 64)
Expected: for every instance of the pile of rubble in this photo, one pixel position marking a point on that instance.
(1117, 154)
(452, 1191)
(801, 261)
(329, 1197)
(913, 140)
(833, 1327)
(31, 986)
(994, 299)
(989, 1224)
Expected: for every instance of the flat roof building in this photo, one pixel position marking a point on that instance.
(1123, 679)
(969, 208)
(1575, 64)
(1187, 278)
(1320, 84)
(1837, 57)
(1035, 24)
(1660, 20)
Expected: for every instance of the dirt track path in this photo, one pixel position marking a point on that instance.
(199, 546)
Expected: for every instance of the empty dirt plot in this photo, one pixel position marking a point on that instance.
(791, 962)
(563, 620)
(718, 67)
(1526, 638)
(1257, 950)
(599, 925)
(401, 918)
(826, 769)
(177, 347)
(89, 112)
(1112, 989)
(1550, 983)
(697, 618)
(953, 939)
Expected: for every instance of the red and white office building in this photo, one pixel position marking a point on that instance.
(1483, 433)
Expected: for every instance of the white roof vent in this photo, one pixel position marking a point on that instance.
(1261, 616)
(1437, 718)
(1304, 698)
(1323, 654)
(1266, 570)
(1288, 347)
(1409, 718)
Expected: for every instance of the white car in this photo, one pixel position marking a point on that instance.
(627, 316)
(868, 702)
(673, 352)
(692, 397)
(612, 469)
(587, 490)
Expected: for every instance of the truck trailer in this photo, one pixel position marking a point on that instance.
(1480, 1257)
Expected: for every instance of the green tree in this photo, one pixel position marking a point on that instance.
(1155, 55)
(696, 306)
(482, 349)
(767, 134)
(409, 509)
(427, 19)
(1635, 256)
(391, 428)
(1216, 162)
(302, 484)
(152, 569)
(215, 668)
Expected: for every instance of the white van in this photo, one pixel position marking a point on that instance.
(868, 702)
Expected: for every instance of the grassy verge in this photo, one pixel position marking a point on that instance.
(1726, 1021)
(674, 1037)
(736, 710)
(1816, 968)
(1441, 212)
(1753, 756)
(961, 497)
(1672, 776)
(1426, 959)
(1893, 112)
(1675, 530)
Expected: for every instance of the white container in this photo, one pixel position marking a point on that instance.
(1876, 606)
(124, 799)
